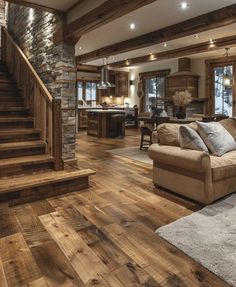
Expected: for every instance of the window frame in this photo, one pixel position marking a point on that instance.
(149, 75)
(210, 81)
(84, 83)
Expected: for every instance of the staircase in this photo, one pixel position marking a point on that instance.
(26, 167)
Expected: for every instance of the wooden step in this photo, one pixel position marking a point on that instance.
(9, 101)
(26, 164)
(35, 187)
(20, 149)
(19, 135)
(14, 112)
(16, 123)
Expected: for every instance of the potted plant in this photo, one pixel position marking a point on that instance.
(181, 100)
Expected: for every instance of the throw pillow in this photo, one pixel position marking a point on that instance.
(190, 139)
(216, 137)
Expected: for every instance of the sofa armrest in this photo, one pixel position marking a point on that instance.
(193, 160)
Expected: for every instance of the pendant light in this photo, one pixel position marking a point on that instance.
(227, 79)
(104, 82)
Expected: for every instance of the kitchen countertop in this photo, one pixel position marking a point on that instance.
(105, 111)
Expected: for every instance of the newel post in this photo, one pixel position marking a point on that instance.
(57, 134)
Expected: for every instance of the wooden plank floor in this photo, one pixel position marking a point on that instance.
(103, 236)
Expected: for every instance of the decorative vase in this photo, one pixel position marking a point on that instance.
(181, 112)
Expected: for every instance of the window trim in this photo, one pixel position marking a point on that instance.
(149, 75)
(85, 81)
(209, 90)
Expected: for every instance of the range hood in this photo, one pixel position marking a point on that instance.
(104, 82)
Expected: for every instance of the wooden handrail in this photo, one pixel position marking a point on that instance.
(27, 62)
(45, 109)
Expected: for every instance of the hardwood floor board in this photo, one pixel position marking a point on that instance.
(55, 267)
(82, 258)
(69, 213)
(32, 229)
(18, 263)
(42, 207)
(8, 222)
(3, 278)
(38, 283)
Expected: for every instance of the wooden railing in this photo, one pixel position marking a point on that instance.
(45, 109)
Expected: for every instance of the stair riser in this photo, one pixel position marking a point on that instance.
(26, 169)
(20, 138)
(9, 93)
(21, 152)
(46, 191)
(11, 114)
(16, 125)
(11, 102)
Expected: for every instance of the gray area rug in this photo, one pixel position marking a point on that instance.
(133, 153)
(209, 237)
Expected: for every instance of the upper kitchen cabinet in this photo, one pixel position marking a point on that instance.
(120, 79)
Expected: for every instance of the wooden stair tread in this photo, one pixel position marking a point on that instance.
(15, 119)
(18, 131)
(25, 160)
(21, 145)
(15, 184)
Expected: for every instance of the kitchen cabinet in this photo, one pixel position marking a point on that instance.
(121, 81)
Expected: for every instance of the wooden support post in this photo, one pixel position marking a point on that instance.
(57, 134)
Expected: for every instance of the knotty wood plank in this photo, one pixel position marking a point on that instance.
(3, 278)
(18, 263)
(85, 262)
(31, 227)
(55, 267)
(76, 220)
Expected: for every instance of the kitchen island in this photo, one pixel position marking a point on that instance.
(106, 123)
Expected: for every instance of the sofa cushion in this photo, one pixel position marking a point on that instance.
(190, 139)
(168, 134)
(230, 126)
(223, 167)
(216, 137)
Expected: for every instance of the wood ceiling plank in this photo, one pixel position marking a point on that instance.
(36, 6)
(176, 53)
(103, 14)
(215, 19)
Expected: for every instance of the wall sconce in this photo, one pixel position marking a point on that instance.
(131, 82)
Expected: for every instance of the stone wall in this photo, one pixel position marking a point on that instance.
(2, 16)
(33, 30)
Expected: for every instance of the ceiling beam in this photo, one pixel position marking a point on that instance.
(103, 14)
(216, 19)
(75, 5)
(36, 6)
(181, 52)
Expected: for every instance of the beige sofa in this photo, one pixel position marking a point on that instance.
(193, 174)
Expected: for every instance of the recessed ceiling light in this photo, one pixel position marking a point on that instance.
(80, 48)
(196, 36)
(184, 5)
(211, 41)
(165, 45)
(132, 26)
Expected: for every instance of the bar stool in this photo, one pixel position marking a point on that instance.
(145, 132)
(118, 120)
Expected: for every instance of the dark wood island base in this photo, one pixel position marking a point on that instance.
(106, 123)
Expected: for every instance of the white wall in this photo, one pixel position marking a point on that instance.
(198, 67)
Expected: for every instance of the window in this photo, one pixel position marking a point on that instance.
(86, 91)
(223, 96)
(154, 89)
